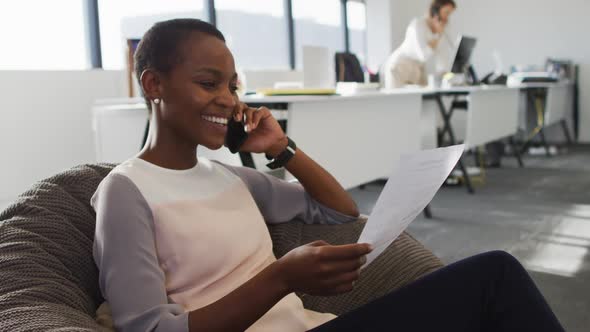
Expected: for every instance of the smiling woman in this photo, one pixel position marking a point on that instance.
(186, 67)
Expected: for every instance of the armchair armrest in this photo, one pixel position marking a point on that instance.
(404, 261)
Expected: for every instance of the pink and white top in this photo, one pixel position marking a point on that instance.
(171, 241)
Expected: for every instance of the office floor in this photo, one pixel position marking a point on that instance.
(540, 214)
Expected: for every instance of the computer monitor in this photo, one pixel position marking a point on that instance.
(463, 55)
(318, 68)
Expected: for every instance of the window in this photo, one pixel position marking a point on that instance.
(357, 29)
(130, 19)
(32, 37)
(256, 32)
(317, 23)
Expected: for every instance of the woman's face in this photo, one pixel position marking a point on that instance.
(445, 13)
(199, 91)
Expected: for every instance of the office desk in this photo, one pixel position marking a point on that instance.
(492, 114)
(548, 103)
(359, 138)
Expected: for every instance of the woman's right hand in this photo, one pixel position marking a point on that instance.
(319, 268)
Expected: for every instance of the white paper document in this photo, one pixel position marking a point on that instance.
(408, 191)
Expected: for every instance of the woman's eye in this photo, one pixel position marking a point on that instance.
(233, 88)
(207, 84)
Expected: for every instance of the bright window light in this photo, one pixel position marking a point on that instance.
(317, 23)
(255, 31)
(357, 29)
(356, 15)
(324, 12)
(43, 35)
(267, 7)
(122, 19)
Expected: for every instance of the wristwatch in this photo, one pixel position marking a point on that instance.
(282, 158)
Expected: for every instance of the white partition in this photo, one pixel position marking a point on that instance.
(118, 131)
(558, 102)
(45, 122)
(357, 140)
(492, 115)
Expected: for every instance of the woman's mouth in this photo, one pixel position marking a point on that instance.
(215, 119)
(215, 123)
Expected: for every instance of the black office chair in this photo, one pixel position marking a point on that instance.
(348, 68)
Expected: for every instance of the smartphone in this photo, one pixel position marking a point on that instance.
(235, 135)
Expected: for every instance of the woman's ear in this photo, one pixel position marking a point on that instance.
(150, 83)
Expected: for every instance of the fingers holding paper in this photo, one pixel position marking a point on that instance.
(319, 268)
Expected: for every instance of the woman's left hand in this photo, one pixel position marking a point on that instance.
(265, 135)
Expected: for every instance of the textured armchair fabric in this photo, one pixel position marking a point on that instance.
(48, 279)
(403, 262)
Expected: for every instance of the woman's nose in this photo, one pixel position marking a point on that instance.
(226, 99)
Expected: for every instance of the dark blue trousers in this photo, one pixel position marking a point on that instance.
(486, 292)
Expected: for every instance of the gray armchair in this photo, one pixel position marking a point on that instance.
(48, 279)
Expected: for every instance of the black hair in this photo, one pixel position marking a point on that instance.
(159, 47)
(437, 5)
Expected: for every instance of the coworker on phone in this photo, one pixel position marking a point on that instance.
(426, 50)
(181, 242)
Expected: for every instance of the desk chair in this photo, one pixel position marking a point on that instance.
(348, 68)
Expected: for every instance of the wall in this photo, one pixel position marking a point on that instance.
(45, 122)
(259, 79)
(379, 32)
(523, 32)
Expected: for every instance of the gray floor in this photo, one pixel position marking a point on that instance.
(540, 214)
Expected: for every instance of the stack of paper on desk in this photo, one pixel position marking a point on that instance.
(408, 191)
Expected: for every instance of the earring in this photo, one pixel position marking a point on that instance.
(156, 101)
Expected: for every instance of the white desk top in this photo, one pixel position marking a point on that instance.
(399, 91)
(369, 95)
(544, 85)
(363, 95)
(328, 98)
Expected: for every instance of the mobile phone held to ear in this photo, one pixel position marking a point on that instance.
(235, 135)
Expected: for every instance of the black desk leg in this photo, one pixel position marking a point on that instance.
(447, 128)
(446, 116)
(566, 132)
(517, 153)
(427, 212)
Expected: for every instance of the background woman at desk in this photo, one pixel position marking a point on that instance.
(426, 49)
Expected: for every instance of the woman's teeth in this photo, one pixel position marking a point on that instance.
(214, 119)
